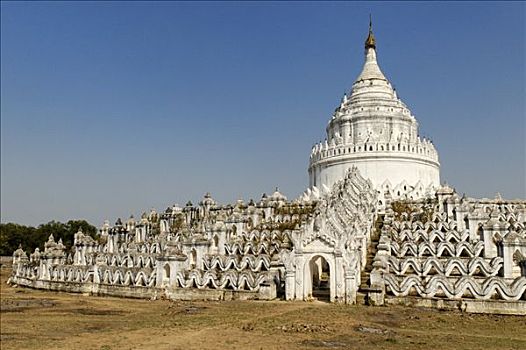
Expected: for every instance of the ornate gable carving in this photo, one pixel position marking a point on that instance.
(345, 213)
(319, 245)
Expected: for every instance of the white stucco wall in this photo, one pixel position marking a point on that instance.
(379, 169)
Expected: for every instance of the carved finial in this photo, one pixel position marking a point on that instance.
(370, 42)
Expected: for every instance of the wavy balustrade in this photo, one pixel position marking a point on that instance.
(127, 277)
(234, 262)
(65, 273)
(229, 279)
(442, 249)
(434, 236)
(119, 276)
(466, 286)
(441, 259)
(127, 260)
(448, 267)
(247, 248)
(437, 223)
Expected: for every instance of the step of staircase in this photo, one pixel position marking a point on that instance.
(364, 287)
(322, 294)
(361, 298)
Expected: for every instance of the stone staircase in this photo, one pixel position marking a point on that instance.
(364, 288)
(322, 293)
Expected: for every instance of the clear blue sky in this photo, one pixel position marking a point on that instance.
(111, 108)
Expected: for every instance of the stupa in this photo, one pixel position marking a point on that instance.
(375, 131)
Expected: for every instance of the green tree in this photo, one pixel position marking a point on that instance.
(12, 235)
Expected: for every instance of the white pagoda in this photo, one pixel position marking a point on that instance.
(375, 131)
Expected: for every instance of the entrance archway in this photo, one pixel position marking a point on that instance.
(320, 278)
(166, 275)
(193, 258)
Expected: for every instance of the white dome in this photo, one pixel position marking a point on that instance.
(374, 130)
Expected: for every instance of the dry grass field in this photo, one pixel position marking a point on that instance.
(33, 319)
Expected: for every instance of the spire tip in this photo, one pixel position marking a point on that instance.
(370, 42)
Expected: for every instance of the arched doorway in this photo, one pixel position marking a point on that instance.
(193, 258)
(215, 244)
(166, 275)
(320, 278)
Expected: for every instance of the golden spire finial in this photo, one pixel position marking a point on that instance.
(370, 41)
